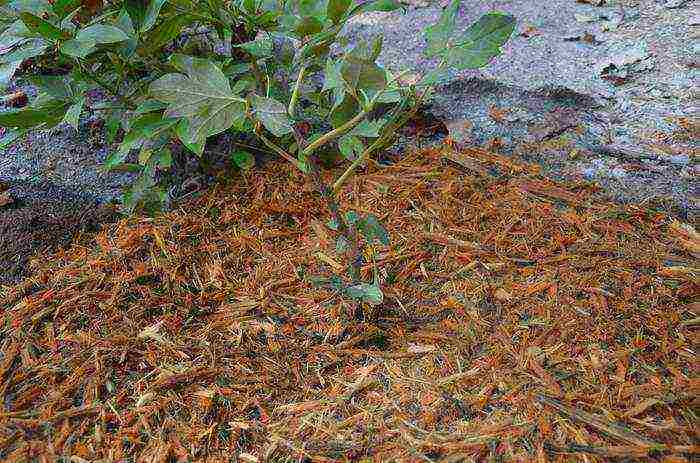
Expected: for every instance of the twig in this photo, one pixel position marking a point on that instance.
(612, 429)
(295, 92)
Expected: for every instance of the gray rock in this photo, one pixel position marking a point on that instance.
(622, 86)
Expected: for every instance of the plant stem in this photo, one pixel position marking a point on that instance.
(348, 232)
(351, 168)
(111, 89)
(340, 131)
(349, 125)
(295, 92)
(388, 132)
(282, 153)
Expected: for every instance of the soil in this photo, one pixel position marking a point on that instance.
(42, 225)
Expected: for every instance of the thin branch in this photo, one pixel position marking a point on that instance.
(339, 132)
(347, 231)
(388, 133)
(109, 88)
(295, 92)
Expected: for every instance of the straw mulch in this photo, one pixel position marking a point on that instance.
(522, 321)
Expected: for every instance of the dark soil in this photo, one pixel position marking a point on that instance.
(28, 227)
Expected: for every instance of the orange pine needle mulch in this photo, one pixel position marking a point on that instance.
(522, 320)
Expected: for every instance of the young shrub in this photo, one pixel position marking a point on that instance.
(188, 70)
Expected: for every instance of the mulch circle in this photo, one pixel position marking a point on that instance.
(522, 320)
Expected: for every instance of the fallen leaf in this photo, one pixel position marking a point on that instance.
(586, 18)
(596, 422)
(421, 348)
(641, 407)
(502, 295)
(460, 130)
(6, 199)
(145, 399)
(686, 236)
(17, 99)
(497, 114)
(530, 31)
(466, 164)
(670, 4)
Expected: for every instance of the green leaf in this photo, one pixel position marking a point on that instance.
(376, 47)
(243, 159)
(7, 71)
(344, 111)
(72, 116)
(369, 293)
(341, 245)
(165, 32)
(368, 129)
(150, 106)
(145, 155)
(203, 96)
(250, 6)
(10, 137)
(361, 72)
(146, 131)
(14, 34)
(136, 9)
(332, 77)
(439, 33)
(78, 48)
(377, 5)
(303, 163)
(37, 7)
(55, 86)
(318, 45)
(372, 230)
(481, 42)
(151, 16)
(152, 125)
(163, 158)
(389, 96)
(333, 224)
(434, 76)
(182, 132)
(63, 8)
(125, 23)
(312, 7)
(27, 50)
(236, 69)
(273, 115)
(112, 125)
(308, 25)
(350, 146)
(102, 33)
(351, 217)
(114, 159)
(261, 48)
(50, 114)
(283, 49)
(141, 191)
(42, 27)
(336, 9)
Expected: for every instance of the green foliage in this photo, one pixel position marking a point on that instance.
(164, 65)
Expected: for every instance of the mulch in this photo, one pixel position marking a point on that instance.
(523, 320)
